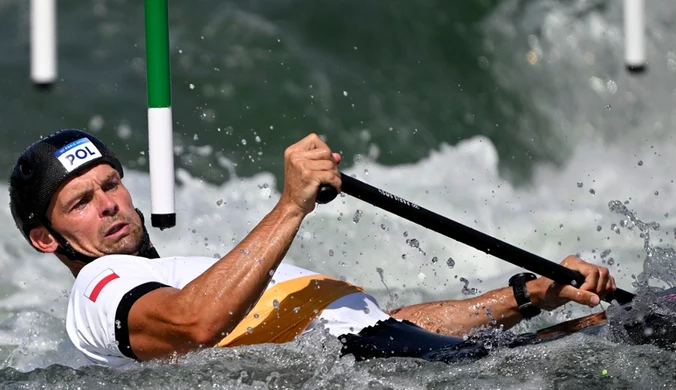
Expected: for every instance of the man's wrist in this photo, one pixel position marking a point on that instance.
(537, 292)
(289, 210)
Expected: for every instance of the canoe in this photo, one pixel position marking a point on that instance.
(652, 320)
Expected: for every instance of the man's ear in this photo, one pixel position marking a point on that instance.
(43, 240)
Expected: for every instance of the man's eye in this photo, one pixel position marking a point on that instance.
(110, 186)
(81, 203)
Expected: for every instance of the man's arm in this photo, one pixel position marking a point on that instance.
(499, 307)
(167, 321)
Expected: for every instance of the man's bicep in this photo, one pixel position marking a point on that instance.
(155, 326)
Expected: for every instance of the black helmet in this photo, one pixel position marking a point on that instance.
(47, 164)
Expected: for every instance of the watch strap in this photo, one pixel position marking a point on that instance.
(518, 282)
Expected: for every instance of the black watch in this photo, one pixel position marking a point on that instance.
(526, 307)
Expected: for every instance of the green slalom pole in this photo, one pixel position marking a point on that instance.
(160, 125)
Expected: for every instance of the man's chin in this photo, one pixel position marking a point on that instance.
(125, 246)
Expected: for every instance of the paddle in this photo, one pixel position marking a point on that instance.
(462, 233)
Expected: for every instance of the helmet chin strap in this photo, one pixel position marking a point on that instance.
(146, 250)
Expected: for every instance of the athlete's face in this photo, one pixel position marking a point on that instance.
(95, 214)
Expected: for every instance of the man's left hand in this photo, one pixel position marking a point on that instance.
(548, 295)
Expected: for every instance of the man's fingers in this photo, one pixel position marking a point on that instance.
(331, 178)
(315, 154)
(310, 142)
(602, 283)
(580, 296)
(591, 280)
(319, 165)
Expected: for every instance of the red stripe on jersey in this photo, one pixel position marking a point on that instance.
(100, 285)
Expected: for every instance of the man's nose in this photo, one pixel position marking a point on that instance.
(108, 205)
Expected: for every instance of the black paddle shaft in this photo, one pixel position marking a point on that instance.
(462, 233)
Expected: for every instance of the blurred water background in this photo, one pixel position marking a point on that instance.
(516, 118)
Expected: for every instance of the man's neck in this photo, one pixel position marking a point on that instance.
(73, 265)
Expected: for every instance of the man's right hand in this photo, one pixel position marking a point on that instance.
(308, 164)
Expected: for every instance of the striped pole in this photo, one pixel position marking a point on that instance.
(43, 43)
(634, 35)
(160, 128)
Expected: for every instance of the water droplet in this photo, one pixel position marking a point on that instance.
(403, 256)
(579, 184)
(344, 93)
(366, 310)
(256, 315)
(249, 330)
(366, 172)
(331, 252)
(118, 324)
(357, 216)
(657, 193)
(608, 107)
(258, 139)
(435, 259)
(611, 261)
(382, 226)
(296, 309)
(405, 234)
(413, 243)
(640, 163)
(450, 263)
(219, 202)
(243, 141)
(192, 86)
(275, 304)
(592, 191)
(614, 228)
(598, 228)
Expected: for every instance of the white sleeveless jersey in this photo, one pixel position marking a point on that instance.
(105, 290)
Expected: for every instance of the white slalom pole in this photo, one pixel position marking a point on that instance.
(160, 124)
(43, 42)
(634, 35)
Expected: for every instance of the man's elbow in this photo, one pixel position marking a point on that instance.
(205, 337)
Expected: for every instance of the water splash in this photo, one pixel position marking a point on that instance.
(393, 297)
(659, 261)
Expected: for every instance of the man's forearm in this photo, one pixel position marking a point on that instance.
(229, 289)
(458, 318)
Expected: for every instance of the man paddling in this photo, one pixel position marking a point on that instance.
(128, 303)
